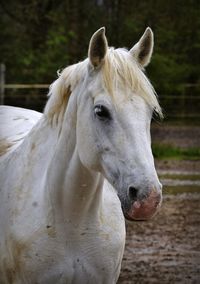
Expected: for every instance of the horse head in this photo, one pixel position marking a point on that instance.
(114, 106)
(114, 114)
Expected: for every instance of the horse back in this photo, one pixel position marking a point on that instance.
(15, 124)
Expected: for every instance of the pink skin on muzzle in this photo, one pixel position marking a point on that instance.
(145, 209)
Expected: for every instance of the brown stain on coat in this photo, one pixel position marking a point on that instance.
(51, 231)
(5, 146)
(14, 264)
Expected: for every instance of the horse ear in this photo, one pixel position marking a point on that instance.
(98, 47)
(142, 50)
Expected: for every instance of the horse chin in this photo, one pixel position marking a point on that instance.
(142, 210)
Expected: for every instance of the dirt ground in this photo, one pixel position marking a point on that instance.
(176, 135)
(166, 249)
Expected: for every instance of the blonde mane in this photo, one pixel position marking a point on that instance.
(119, 68)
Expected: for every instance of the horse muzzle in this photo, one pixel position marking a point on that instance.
(143, 208)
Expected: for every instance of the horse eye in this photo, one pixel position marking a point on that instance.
(102, 112)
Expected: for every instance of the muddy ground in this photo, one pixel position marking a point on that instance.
(166, 249)
(183, 136)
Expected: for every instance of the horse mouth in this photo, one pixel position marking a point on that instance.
(141, 210)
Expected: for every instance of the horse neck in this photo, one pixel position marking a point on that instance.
(73, 190)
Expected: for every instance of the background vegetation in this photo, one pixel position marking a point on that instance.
(40, 37)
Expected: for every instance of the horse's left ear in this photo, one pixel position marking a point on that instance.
(142, 50)
(98, 47)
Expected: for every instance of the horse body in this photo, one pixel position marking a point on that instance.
(74, 173)
(37, 231)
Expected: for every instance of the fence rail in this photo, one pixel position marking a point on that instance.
(33, 96)
(26, 86)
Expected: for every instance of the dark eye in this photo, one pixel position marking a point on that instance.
(102, 112)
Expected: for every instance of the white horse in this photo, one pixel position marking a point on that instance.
(69, 176)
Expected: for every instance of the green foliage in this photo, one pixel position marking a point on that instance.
(40, 37)
(163, 151)
(170, 75)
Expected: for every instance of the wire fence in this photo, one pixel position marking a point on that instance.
(34, 96)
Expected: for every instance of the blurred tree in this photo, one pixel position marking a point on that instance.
(40, 37)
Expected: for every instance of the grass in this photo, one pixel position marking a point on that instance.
(181, 189)
(164, 151)
(180, 176)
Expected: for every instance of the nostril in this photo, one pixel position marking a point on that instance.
(133, 192)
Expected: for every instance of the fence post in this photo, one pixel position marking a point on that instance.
(2, 82)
